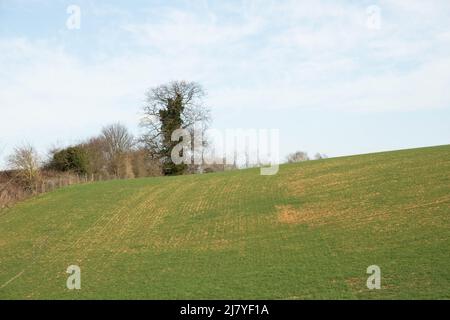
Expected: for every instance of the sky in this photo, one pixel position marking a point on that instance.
(335, 77)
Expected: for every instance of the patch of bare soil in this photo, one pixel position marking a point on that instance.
(312, 216)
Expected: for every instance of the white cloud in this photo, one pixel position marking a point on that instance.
(380, 93)
(179, 31)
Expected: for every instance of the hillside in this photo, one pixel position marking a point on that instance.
(310, 231)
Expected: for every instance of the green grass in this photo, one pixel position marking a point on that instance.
(308, 232)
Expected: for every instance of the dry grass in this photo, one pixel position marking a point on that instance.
(312, 216)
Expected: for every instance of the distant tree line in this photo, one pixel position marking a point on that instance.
(301, 156)
(112, 154)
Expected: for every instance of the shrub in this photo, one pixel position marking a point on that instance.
(298, 156)
(70, 159)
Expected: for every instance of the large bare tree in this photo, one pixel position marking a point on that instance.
(118, 138)
(158, 101)
(119, 141)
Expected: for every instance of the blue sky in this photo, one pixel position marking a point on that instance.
(339, 78)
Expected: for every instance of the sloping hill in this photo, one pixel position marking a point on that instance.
(309, 232)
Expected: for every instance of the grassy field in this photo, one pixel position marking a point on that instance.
(308, 232)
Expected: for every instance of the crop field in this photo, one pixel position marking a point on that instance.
(309, 232)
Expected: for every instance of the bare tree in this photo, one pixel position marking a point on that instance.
(200, 144)
(158, 99)
(25, 160)
(298, 156)
(319, 156)
(97, 152)
(119, 141)
(118, 138)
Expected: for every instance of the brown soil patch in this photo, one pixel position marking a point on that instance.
(356, 284)
(311, 216)
(428, 204)
(219, 244)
